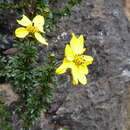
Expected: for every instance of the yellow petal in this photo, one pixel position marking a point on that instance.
(39, 22)
(84, 49)
(69, 53)
(84, 69)
(88, 60)
(74, 72)
(21, 32)
(82, 79)
(61, 69)
(40, 38)
(81, 41)
(64, 66)
(75, 82)
(24, 21)
(77, 44)
(81, 76)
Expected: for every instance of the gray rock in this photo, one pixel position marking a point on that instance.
(7, 28)
(101, 104)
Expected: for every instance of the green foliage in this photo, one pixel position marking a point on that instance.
(65, 129)
(4, 117)
(43, 7)
(74, 2)
(32, 82)
(7, 5)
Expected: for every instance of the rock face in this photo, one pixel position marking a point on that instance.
(7, 95)
(101, 104)
(7, 26)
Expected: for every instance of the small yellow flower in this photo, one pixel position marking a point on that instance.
(34, 27)
(75, 60)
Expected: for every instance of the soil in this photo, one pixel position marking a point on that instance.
(102, 103)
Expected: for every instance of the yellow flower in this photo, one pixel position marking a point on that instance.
(75, 60)
(34, 27)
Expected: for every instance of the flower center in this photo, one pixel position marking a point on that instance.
(31, 29)
(79, 60)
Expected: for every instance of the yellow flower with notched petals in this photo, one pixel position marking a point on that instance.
(75, 60)
(34, 27)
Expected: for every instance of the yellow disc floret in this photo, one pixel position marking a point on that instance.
(31, 29)
(79, 60)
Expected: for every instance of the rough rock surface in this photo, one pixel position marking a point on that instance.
(7, 26)
(101, 104)
(7, 95)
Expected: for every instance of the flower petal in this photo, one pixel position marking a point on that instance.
(82, 79)
(61, 69)
(84, 69)
(64, 66)
(39, 22)
(74, 72)
(21, 32)
(77, 44)
(81, 41)
(24, 21)
(40, 38)
(81, 76)
(88, 59)
(69, 53)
